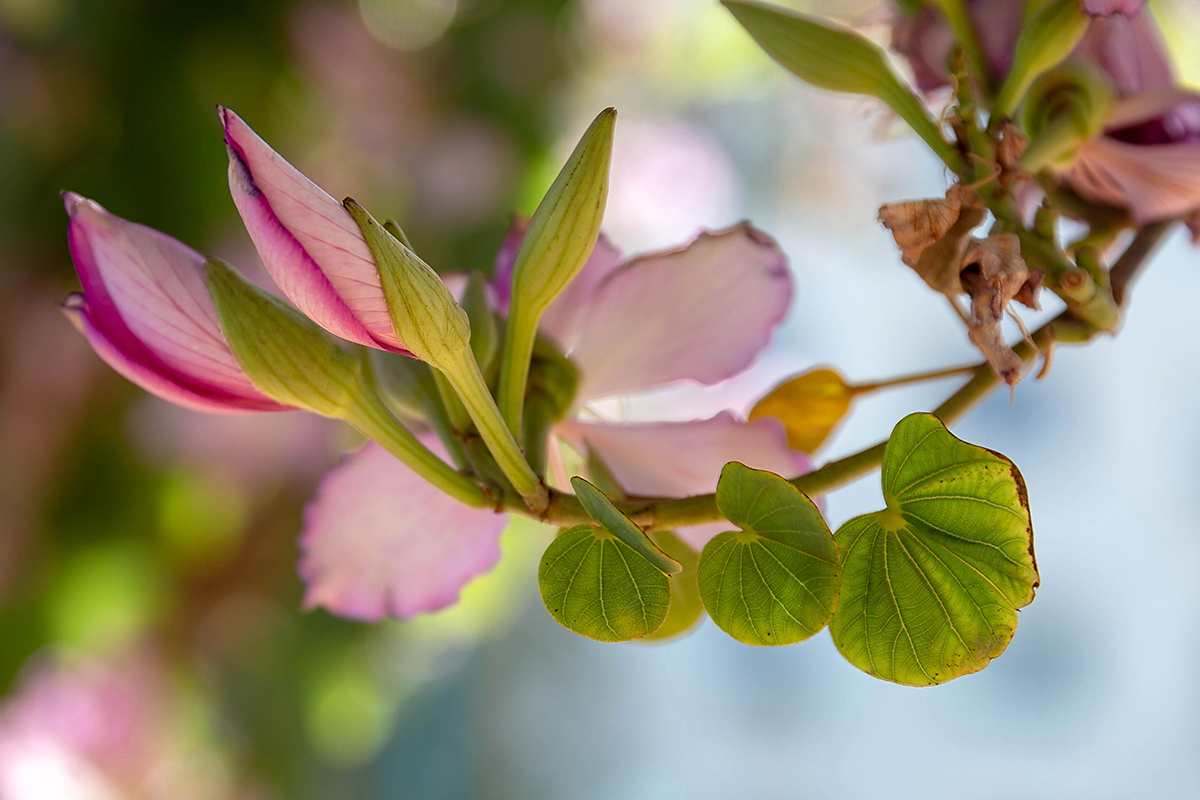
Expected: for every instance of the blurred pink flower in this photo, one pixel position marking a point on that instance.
(378, 541)
(925, 38)
(102, 731)
(146, 310)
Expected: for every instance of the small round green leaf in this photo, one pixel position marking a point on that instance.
(775, 581)
(597, 586)
(931, 584)
(686, 606)
(601, 509)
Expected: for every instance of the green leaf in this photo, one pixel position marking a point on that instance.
(686, 606)
(775, 582)
(931, 584)
(596, 585)
(601, 509)
(831, 56)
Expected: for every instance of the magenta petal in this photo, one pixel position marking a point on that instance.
(1131, 51)
(703, 313)
(157, 381)
(678, 459)
(307, 240)
(379, 541)
(147, 297)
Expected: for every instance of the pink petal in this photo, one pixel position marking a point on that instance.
(703, 313)
(152, 376)
(307, 240)
(1151, 181)
(563, 321)
(1105, 8)
(679, 459)
(147, 297)
(1129, 50)
(379, 541)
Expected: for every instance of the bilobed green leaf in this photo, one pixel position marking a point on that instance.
(931, 584)
(601, 509)
(775, 581)
(686, 605)
(597, 586)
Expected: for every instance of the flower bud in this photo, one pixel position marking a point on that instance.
(1047, 38)
(286, 356)
(565, 226)
(836, 58)
(424, 313)
(1065, 109)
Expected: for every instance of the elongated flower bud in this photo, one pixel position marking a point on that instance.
(565, 226)
(424, 313)
(286, 355)
(1045, 41)
(836, 58)
(145, 311)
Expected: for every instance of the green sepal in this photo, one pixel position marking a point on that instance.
(425, 315)
(566, 224)
(1063, 110)
(596, 585)
(287, 356)
(1046, 40)
(774, 582)
(485, 336)
(687, 609)
(932, 583)
(609, 517)
(833, 57)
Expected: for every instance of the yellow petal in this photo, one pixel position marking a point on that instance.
(809, 405)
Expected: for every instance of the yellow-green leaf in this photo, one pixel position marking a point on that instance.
(686, 605)
(932, 583)
(594, 584)
(775, 581)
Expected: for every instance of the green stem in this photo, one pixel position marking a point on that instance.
(514, 368)
(863, 388)
(368, 414)
(468, 382)
(655, 514)
(1131, 261)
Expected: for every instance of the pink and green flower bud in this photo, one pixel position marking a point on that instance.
(310, 245)
(1045, 42)
(1064, 110)
(146, 311)
(286, 356)
(437, 331)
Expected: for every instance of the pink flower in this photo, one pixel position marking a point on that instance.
(102, 731)
(378, 541)
(1148, 159)
(925, 38)
(307, 240)
(146, 310)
